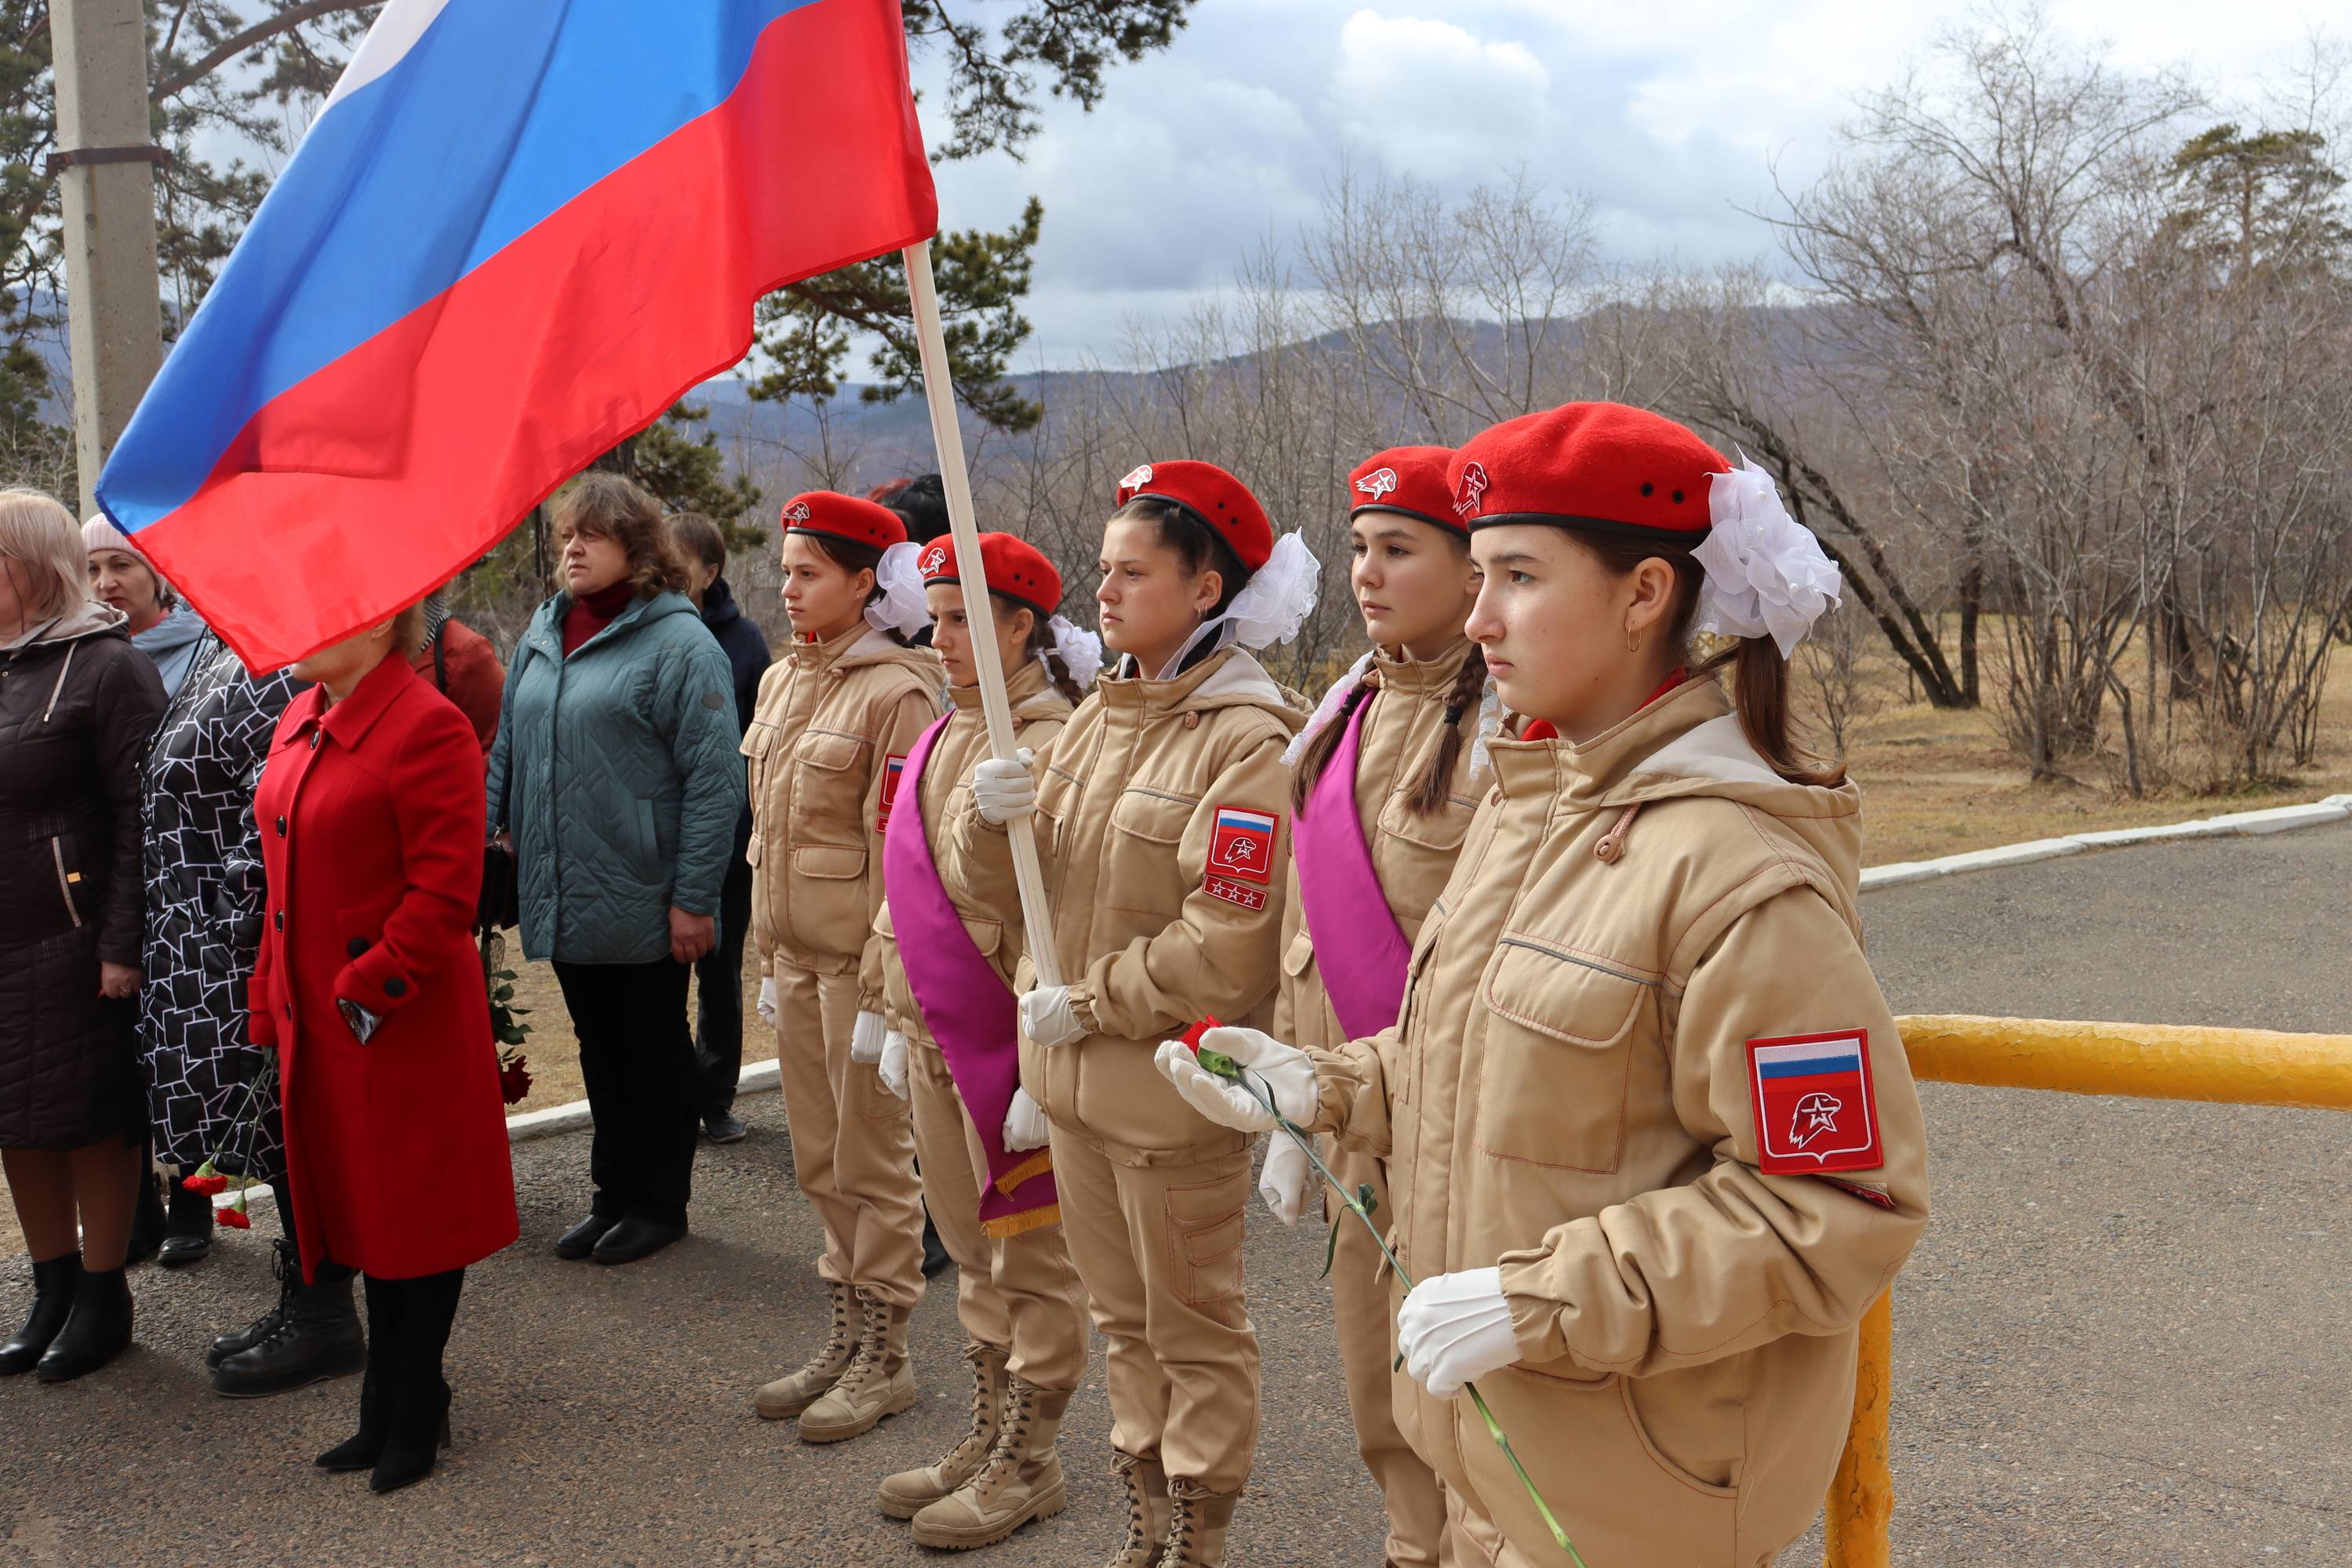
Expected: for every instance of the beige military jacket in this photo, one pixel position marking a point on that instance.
(1571, 1093)
(990, 908)
(832, 718)
(1164, 819)
(1413, 854)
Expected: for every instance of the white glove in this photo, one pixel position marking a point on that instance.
(767, 1005)
(1002, 791)
(1455, 1329)
(893, 1065)
(1026, 1127)
(1283, 1183)
(1284, 1072)
(866, 1040)
(1047, 1018)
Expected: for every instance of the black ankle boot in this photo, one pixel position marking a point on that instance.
(288, 1268)
(362, 1449)
(53, 1294)
(187, 1228)
(97, 1330)
(317, 1337)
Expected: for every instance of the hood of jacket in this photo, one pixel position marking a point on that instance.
(878, 648)
(180, 627)
(1230, 679)
(1688, 745)
(719, 605)
(91, 617)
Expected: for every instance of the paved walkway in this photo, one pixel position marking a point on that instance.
(2116, 1346)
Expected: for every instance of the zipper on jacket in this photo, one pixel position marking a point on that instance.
(65, 883)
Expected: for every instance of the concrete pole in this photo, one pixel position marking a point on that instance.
(114, 315)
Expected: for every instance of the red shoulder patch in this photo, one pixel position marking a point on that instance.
(894, 767)
(1242, 845)
(1815, 1109)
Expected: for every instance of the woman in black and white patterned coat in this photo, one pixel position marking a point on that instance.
(206, 908)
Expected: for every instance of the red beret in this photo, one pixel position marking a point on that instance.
(1598, 465)
(1015, 568)
(828, 514)
(1409, 479)
(1215, 499)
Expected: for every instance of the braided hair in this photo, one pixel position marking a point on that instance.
(1430, 795)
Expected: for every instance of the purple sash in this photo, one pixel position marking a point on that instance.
(966, 1005)
(1359, 946)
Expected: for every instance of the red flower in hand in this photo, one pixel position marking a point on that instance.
(514, 1081)
(209, 1187)
(234, 1218)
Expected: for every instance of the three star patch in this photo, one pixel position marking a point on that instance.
(1241, 852)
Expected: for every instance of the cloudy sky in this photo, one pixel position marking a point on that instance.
(1667, 111)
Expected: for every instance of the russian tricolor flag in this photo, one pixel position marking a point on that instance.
(515, 234)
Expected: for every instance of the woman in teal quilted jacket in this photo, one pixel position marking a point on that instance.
(616, 783)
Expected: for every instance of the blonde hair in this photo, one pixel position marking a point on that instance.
(408, 637)
(43, 540)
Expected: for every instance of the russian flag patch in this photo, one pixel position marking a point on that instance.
(1815, 1111)
(892, 769)
(1243, 846)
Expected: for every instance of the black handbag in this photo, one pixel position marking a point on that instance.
(499, 908)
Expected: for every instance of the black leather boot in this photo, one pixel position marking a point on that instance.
(187, 1228)
(420, 1395)
(317, 1337)
(97, 1330)
(362, 1449)
(53, 1294)
(287, 1266)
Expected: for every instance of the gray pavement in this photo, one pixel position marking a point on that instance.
(2118, 1344)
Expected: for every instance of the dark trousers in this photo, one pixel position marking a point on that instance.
(326, 1270)
(637, 1061)
(718, 985)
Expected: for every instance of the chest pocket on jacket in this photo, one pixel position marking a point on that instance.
(1141, 865)
(1558, 1050)
(829, 790)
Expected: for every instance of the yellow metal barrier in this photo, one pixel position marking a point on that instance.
(2143, 1062)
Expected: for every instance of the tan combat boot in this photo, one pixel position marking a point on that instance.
(910, 1492)
(1147, 1511)
(1197, 1522)
(795, 1391)
(879, 1381)
(1021, 1481)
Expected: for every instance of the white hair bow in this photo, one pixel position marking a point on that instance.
(1079, 649)
(1767, 576)
(900, 606)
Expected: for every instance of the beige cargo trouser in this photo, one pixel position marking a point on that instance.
(1365, 1314)
(1017, 1293)
(1159, 1249)
(852, 1142)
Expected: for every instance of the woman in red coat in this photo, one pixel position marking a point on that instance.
(371, 816)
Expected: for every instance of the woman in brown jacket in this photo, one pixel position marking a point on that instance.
(1650, 1127)
(836, 718)
(946, 958)
(1162, 817)
(1386, 777)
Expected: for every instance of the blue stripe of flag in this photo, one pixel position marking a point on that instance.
(496, 118)
(1811, 1067)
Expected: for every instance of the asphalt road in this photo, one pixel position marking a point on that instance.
(2119, 1345)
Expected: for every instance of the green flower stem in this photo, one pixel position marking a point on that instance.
(1356, 1206)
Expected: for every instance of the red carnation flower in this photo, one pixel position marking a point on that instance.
(1200, 1027)
(514, 1081)
(209, 1187)
(234, 1218)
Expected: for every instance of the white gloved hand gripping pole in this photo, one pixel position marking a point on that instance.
(964, 525)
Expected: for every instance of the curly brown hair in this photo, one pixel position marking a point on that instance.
(606, 506)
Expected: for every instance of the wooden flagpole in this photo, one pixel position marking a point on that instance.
(963, 526)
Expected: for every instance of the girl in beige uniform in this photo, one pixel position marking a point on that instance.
(836, 719)
(1395, 750)
(987, 1176)
(1650, 1130)
(1162, 815)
